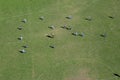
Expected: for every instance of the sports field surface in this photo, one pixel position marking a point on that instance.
(92, 53)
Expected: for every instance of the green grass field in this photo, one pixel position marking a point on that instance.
(91, 57)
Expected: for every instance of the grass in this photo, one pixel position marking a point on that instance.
(74, 58)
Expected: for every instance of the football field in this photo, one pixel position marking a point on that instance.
(59, 40)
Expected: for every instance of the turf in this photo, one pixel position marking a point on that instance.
(74, 58)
